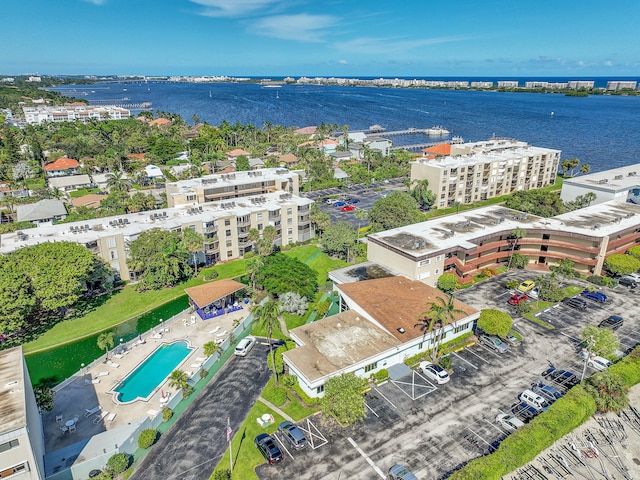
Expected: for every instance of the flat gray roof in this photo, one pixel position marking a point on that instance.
(13, 411)
(615, 180)
(231, 179)
(44, 209)
(337, 342)
(460, 230)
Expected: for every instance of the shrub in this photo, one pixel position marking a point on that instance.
(117, 463)
(224, 474)
(203, 373)
(248, 255)
(609, 391)
(447, 282)
(511, 284)
(306, 399)
(322, 308)
(275, 394)
(602, 281)
(380, 375)
(147, 438)
(523, 308)
(289, 381)
(634, 251)
(622, 264)
(495, 322)
(445, 362)
(167, 413)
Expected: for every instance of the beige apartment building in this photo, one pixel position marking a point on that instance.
(21, 436)
(220, 187)
(478, 171)
(224, 225)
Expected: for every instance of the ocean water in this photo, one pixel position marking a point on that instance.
(603, 131)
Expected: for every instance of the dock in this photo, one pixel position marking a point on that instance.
(419, 146)
(122, 103)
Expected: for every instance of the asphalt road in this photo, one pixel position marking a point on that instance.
(193, 446)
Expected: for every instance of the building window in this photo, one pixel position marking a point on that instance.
(227, 222)
(371, 366)
(320, 389)
(259, 216)
(228, 233)
(424, 262)
(111, 242)
(437, 271)
(259, 226)
(8, 446)
(229, 243)
(438, 258)
(113, 254)
(290, 231)
(229, 253)
(289, 221)
(13, 470)
(420, 345)
(191, 198)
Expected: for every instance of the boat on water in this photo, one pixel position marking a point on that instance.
(209, 93)
(437, 131)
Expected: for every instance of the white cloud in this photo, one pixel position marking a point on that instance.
(96, 2)
(232, 8)
(343, 62)
(302, 27)
(608, 63)
(581, 63)
(395, 46)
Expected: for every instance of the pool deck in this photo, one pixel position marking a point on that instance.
(81, 394)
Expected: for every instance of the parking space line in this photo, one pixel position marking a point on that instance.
(382, 395)
(632, 338)
(493, 425)
(464, 360)
(283, 447)
(488, 350)
(474, 353)
(569, 336)
(367, 458)
(372, 410)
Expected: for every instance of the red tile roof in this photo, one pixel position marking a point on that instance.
(442, 149)
(237, 152)
(288, 158)
(306, 130)
(63, 163)
(160, 121)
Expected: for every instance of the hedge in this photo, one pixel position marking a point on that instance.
(564, 415)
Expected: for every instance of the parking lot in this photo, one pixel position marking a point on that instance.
(434, 428)
(366, 197)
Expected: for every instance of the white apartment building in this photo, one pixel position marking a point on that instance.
(621, 85)
(70, 113)
(21, 436)
(224, 225)
(578, 84)
(482, 170)
(507, 84)
(220, 187)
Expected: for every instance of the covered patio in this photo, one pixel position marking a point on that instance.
(216, 298)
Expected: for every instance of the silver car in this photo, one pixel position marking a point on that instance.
(494, 343)
(434, 372)
(509, 422)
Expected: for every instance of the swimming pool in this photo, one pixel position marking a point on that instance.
(144, 380)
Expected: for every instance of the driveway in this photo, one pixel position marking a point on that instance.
(193, 446)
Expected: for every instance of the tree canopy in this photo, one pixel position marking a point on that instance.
(495, 322)
(339, 237)
(344, 398)
(622, 264)
(281, 273)
(395, 210)
(543, 203)
(159, 258)
(447, 282)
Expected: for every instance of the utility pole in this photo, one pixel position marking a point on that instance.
(587, 354)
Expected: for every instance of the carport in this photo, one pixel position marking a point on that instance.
(410, 382)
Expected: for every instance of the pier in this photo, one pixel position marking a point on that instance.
(419, 146)
(434, 131)
(122, 103)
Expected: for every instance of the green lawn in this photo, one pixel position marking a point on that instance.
(303, 253)
(82, 192)
(297, 411)
(323, 264)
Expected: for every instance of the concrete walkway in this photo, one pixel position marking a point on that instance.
(276, 409)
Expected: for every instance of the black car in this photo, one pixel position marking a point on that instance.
(293, 435)
(575, 302)
(524, 411)
(628, 282)
(613, 322)
(268, 448)
(563, 378)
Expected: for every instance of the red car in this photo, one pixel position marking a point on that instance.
(348, 208)
(517, 299)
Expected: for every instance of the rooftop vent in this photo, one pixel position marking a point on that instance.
(632, 174)
(618, 177)
(401, 330)
(604, 180)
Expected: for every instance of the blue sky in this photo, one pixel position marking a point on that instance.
(322, 37)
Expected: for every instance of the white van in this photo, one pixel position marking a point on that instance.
(244, 346)
(534, 400)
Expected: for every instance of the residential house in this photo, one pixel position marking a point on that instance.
(70, 183)
(91, 200)
(233, 155)
(61, 167)
(8, 189)
(288, 160)
(44, 211)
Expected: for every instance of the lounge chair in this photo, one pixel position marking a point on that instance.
(221, 334)
(58, 418)
(156, 335)
(153, 413)
(117, 355)
(64, 428)
(100, 417)
(72, 428)
(102, 374)
(110, 417)
(201, 359)
(92, 381)
(196, 365)
(90, 411)
(219, 341)
(215, 330)
(112, 364)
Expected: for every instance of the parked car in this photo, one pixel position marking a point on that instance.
(526, 286)
(293, 435)
(575, 302)
(268, 448)
(348, 208)
(511, 339)
(523, 411)
(494, 343)
(614, 322)
(331, 201)
(535, 293)
(517, 299)
(546, 391)
(434, 372)
(594, 295)
(353, 201)
(632, 348)
(627, 281)
(339, 203)
(244, 346)
(635, 276)
(534, 400)
(563, 378)
(509, 422)
(598, 363)
(400, 472)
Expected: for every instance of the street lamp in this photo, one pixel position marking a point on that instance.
(82, 368)
(161, 325)
(587, 354)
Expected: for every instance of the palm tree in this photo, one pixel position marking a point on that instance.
(105, 341)
(421, 192)
(437, 315)
(266, 316)
(585, 168)
(194, 242)
(516, 234)
(210, 348)
(117, 183)
(362, 216)
(179, 379)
